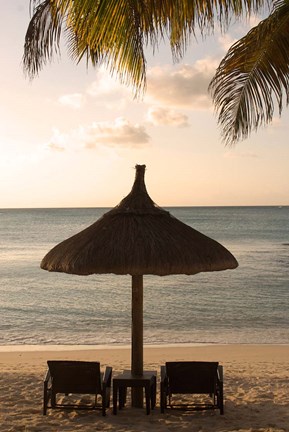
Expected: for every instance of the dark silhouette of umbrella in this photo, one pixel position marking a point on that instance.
(137, 237)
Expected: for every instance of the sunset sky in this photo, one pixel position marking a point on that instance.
(72, 136)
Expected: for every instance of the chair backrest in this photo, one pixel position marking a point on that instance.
(192, 377)
(75, 376)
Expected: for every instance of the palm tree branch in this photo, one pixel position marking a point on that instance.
(114, 32)
(42, 38)
(253, 76)
(110, 33)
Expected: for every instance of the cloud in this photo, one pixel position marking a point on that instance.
(184, 86)
(119, 133)
(226, 41)
(165, 116)
(57, 142)
(55, 147)
(108, 91)
(74, 100)
(105, 91)
(104, 85)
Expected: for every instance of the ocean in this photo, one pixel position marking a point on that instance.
(247, 305)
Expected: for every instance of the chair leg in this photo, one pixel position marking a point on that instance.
(163, 398)
(53, 399)
(114, 398)
(220, 400)
(153, 394)
(104, 403)
(170, 400)
(222, 406)
(45, 400)
(148, 399)
(122, 397)
(108, 397)
(46, 397)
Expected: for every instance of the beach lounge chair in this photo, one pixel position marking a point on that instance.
(76, 378)
(196, 378)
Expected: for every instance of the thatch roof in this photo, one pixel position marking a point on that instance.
(137, 237)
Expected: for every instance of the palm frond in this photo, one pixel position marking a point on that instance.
(115, 32)
(253, 77)
(179, 19)
(42, 37)
(110, 33)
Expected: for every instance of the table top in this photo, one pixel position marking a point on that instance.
(127, 375)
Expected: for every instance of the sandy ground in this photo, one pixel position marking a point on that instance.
(256, 386)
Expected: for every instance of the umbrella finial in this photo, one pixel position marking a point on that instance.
(138, 200)
(139, 183)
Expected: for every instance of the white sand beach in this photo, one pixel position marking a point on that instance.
(256, 383)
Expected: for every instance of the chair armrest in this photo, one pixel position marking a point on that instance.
(220, 374)
(163, 374)
(107, 376)
(220, 389)
(47, 377)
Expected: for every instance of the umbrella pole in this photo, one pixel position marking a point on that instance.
(137, 337)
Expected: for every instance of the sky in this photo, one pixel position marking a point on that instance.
(73, 135)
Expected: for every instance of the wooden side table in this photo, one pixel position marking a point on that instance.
(121, 382)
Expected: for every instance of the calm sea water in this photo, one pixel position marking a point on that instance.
(246, 305)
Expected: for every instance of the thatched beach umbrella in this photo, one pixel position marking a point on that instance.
(137, 237)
